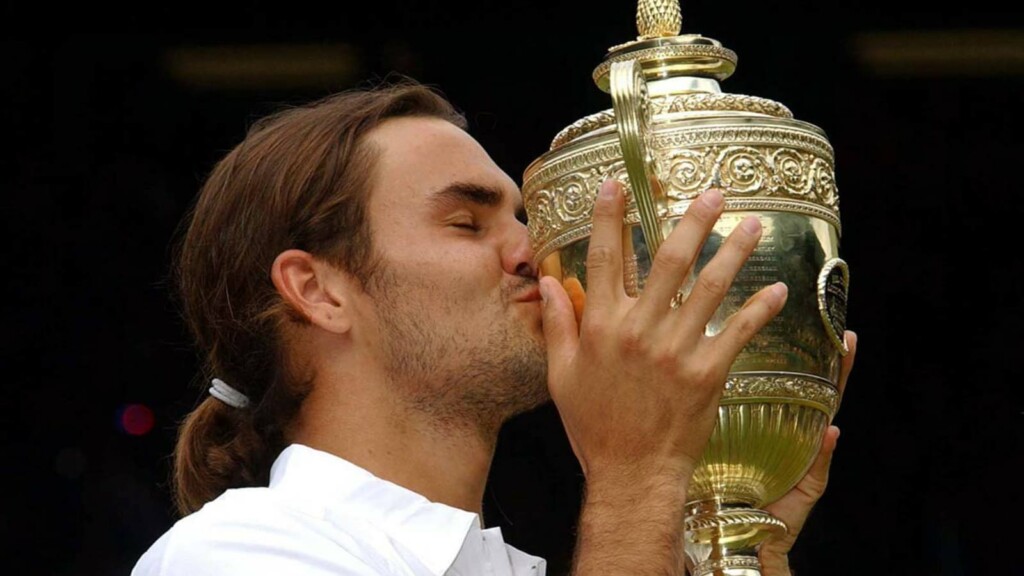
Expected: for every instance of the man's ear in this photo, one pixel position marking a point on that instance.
(314, 288)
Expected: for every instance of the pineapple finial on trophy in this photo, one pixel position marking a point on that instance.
(658, 18)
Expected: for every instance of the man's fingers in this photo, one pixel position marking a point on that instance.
(678, 252)
(796, 505)
(747, 321)
(814, 482)
(604, 257)
(717, 277)
(812, 486)
(844, 373)
(561, 333)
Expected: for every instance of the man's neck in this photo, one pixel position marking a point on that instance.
(445, 462)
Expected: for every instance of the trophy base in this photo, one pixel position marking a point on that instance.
(721, 539)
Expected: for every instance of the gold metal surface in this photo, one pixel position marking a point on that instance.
(670, 135)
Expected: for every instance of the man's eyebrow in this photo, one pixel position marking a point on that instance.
(480, 194)
(459, 192)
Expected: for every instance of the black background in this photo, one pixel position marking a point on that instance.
(105, 150)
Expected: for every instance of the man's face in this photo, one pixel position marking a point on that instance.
(455, 295)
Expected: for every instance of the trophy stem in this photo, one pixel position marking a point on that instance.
(721, 539)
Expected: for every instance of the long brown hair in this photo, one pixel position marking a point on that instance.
(299, 179)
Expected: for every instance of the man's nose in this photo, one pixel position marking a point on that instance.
(517, 257)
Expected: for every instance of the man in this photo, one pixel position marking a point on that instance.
(359, 274)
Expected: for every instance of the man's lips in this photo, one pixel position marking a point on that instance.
(529, 294)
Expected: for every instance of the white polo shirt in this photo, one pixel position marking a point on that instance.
(324, 516)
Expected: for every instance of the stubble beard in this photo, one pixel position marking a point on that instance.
(459, 380)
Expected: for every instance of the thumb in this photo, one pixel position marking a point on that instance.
(561, 333)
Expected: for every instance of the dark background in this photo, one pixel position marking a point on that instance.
(108, 136)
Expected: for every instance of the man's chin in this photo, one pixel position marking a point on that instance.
(537, 400)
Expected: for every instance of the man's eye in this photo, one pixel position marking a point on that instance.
(466, 225)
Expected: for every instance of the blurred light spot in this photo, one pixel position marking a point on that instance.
(136, 419)
(973, 53)
(257, 67)
(70, 463)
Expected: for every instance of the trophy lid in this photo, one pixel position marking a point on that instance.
(665, 53)
(682, 72)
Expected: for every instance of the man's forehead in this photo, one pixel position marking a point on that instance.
(436, 160)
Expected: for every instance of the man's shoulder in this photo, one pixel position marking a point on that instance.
(248, 510)
(258, 531)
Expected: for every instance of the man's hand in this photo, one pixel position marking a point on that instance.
(637, 382)
(796, 505)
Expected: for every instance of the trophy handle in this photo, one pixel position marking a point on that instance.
(633, 119)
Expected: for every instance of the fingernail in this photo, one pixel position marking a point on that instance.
(608, 188)
(780, 290)
(543, 293)
(712, 198)
(751, 224)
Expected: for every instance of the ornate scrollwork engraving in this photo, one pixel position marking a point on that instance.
(583, 126)
(718, 565)
(572, 198)
(742, 170)
(676, 104)
(707, 52)
(710, 102)
(783, 387)
(824, 183)
(726, 518)
(763, 167)
(791, 172)
(688, 173)
(542, 221)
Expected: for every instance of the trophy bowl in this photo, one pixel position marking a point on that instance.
(670, 135)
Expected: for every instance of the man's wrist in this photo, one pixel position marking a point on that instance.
(632, 522)
(638, 480)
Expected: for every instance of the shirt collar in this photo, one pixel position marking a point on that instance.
(328, 486)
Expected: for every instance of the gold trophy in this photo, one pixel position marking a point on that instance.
(671, 134)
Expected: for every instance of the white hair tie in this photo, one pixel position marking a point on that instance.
(228, 395)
